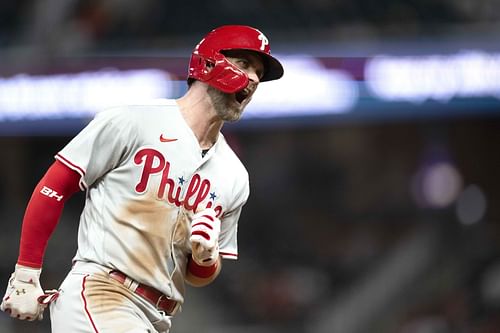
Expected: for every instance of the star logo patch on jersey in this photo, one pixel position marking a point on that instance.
(164, 139)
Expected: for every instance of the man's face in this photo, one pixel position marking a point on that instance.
(230, 106)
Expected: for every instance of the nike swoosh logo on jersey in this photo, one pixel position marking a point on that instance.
(164, 139)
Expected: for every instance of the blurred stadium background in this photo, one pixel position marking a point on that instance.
(374, 163)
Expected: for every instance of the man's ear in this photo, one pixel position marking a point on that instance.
(209, 65)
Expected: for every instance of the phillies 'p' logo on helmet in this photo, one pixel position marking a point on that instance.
(208, 63)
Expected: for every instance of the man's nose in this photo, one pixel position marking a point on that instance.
(252, 76)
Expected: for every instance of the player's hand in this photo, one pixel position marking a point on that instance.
(24, 297)
(205, 230)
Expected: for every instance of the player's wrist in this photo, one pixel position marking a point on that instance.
(27, 274)
(28, 264)
(31, 270)
(202, 271)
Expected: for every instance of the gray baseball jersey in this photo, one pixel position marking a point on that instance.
(144, 176)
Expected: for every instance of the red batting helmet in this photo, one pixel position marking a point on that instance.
(223, 75)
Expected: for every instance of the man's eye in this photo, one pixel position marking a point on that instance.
(243, 63)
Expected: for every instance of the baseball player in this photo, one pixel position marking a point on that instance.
(164, 193)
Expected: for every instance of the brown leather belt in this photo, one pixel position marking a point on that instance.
(155, 297)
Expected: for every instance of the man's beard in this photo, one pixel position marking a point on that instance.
(224, 105)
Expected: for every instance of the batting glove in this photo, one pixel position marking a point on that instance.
(205, 230)
(24, 297)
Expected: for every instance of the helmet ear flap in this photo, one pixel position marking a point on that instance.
(228, 77)
(218, 72)
(198, 67)
(206, 66)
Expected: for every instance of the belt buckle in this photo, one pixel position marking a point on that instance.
(176, 306)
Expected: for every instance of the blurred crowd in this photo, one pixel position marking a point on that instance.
(57, 26)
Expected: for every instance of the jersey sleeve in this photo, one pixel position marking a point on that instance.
(228, 239)
(100, 146)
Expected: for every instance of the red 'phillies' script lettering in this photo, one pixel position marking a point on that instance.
(154, 162)
(197, 187)
(148, 156)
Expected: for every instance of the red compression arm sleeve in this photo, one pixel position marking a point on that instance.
(43, 212)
